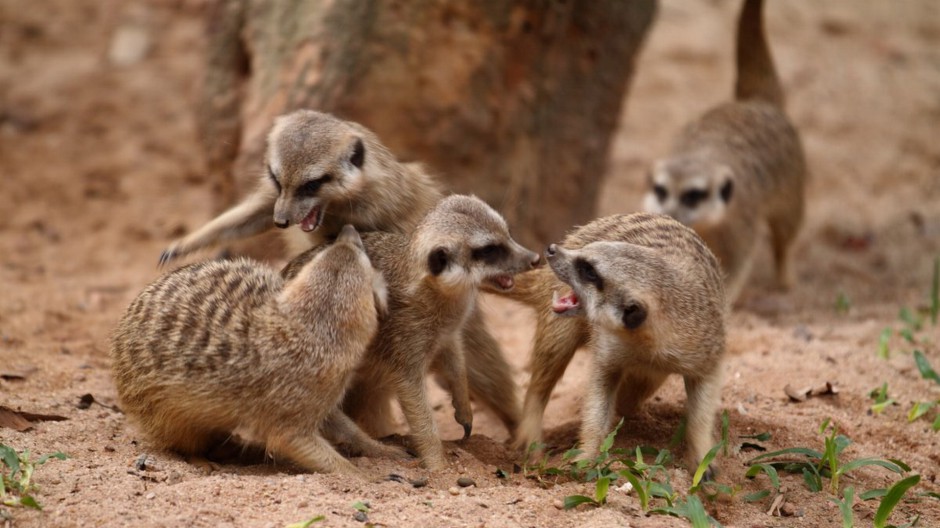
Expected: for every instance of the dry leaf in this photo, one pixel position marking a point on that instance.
(22, 421)
(797, 395)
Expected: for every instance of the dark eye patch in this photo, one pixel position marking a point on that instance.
(660, 192)
(312, 187)
(277, 184)
(588, 274)
(693, 197)
(359, 154)
(490, 253)
(633, 316)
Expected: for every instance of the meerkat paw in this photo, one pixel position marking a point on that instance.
(465, 418)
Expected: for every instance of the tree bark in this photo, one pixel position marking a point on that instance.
(515, 102)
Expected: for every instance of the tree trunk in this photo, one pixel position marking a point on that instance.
(515, 102)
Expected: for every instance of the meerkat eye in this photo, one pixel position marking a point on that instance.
(633, 316)
(358, 157)
(693, 197)
(490, 253)
(312, 187)
(587, 273)
(660, 192)
(277, 184)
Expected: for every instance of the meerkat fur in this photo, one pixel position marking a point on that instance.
(645, 293)
(321, 172)
(434, 275)
(739, 166)
(224, 348)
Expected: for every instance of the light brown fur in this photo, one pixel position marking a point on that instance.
(221, 348)
(646, 261)
(738, 166)
(433, 277)
(381, 195)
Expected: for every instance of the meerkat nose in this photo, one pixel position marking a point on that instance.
(281, 223)
(552, 249)
(536, 260)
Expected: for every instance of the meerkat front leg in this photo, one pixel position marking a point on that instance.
(451, 363)
(339, 428)
(489, 375)
(597, 412)
(703, 396)
(413, 397)
(251, 217)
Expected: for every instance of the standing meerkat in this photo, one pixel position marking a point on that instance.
(433, 276)
(321, 173)
(651, 303)
(738, 166)
(228, 347)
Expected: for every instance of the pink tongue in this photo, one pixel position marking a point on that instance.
(505, 282)
(310, 222)
(564, 303)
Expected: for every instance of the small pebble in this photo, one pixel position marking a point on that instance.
(141, 462)
(558, 504)
(361, 516)
(788, 510)
(465, 482)
(151, 495)
(419, 482)
(453, 490)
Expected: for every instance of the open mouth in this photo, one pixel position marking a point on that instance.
(313, 219)
(565, 304)
(502, 282)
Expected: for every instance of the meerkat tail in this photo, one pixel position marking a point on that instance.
(757, 77)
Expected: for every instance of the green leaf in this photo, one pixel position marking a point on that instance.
(861, 462)
(809, 453)
(30, 502)
(919, 409)
(924, 367)
(642, 492)
(360, 506)
(900, 464)
(573, 501)
(760, 437)
(696, 512)
(879, 407)
(936, 424)
(725, 426)
(58, 454)
(609, 439)
(307, 523)
(873, 494)
(883, 351)
(600, 489)
(891, 499)
(10, 458)
(766, 468)
(703, 465)
(756, 496)
(678, 435)
(824, 425)
(845, 506)
(812, 479)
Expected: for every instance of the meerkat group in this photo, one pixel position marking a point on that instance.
(216, 349)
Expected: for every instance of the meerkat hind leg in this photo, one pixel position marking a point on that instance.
(451, 364)
(702, 400)
(312, 452)
(556, 340)
(489, 376)
(339, 428)
(413, 398)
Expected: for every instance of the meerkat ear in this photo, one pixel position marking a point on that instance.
(437, 261)
(633, 316)
(358, 157)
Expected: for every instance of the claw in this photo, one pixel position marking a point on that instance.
(709, 474)
(166, 257)
(466, 430)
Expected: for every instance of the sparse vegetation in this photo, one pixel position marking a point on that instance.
(16, 485)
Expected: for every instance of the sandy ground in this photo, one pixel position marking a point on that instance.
(100, 167)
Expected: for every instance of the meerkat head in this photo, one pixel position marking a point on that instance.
(314, 160)
(694, 191)
(464, 244)
(613, 283)
(336, 271)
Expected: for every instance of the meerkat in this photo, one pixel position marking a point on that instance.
(433, 277)
(226, 348)
(322, 172)
(738, 166)
(651, 303)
